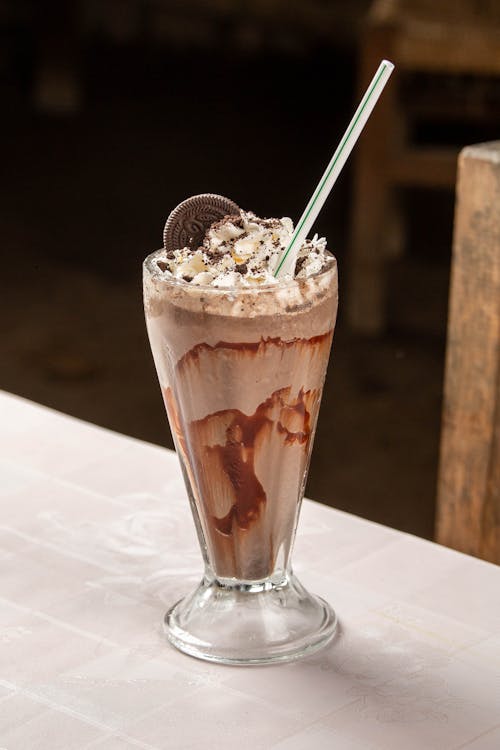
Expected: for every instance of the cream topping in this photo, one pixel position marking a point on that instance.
(242, 251)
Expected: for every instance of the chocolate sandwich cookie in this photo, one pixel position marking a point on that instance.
(187, 224)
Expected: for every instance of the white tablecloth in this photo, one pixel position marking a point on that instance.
(97, 540)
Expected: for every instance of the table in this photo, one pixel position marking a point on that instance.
(96, 542)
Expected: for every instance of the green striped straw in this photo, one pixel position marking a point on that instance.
(288, 260)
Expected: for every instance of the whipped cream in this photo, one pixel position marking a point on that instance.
(242, 250)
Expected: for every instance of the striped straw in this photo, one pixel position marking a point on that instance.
(288, 260)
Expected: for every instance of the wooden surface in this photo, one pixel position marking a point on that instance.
(468, 516)
(449, 36)
(425, 167)
(452, 37)
(373, 233)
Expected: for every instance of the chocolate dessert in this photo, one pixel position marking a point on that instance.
(241, 358)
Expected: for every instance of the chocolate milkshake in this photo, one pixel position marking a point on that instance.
(240, 314)
(241, 359)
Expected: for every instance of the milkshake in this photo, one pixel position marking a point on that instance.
(240, 313)
(241, 359)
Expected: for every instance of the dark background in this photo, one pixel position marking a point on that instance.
(113, 113)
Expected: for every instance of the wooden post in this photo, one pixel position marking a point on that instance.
(468, 505)
(371, 217)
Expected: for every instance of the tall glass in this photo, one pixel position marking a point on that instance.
(241, 373)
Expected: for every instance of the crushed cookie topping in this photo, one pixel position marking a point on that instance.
(241, 250)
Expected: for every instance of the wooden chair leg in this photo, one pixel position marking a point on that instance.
(468, 502)
(372, 198)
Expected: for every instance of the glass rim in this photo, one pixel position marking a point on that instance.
(173, 281)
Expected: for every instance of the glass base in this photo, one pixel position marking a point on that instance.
(250, 623)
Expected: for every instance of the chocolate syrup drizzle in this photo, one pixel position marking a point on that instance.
(220, 449)
(252, 347)
(237, 455)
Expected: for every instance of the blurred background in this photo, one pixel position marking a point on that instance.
(114, 111)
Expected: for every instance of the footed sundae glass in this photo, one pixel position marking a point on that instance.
(241, 373)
